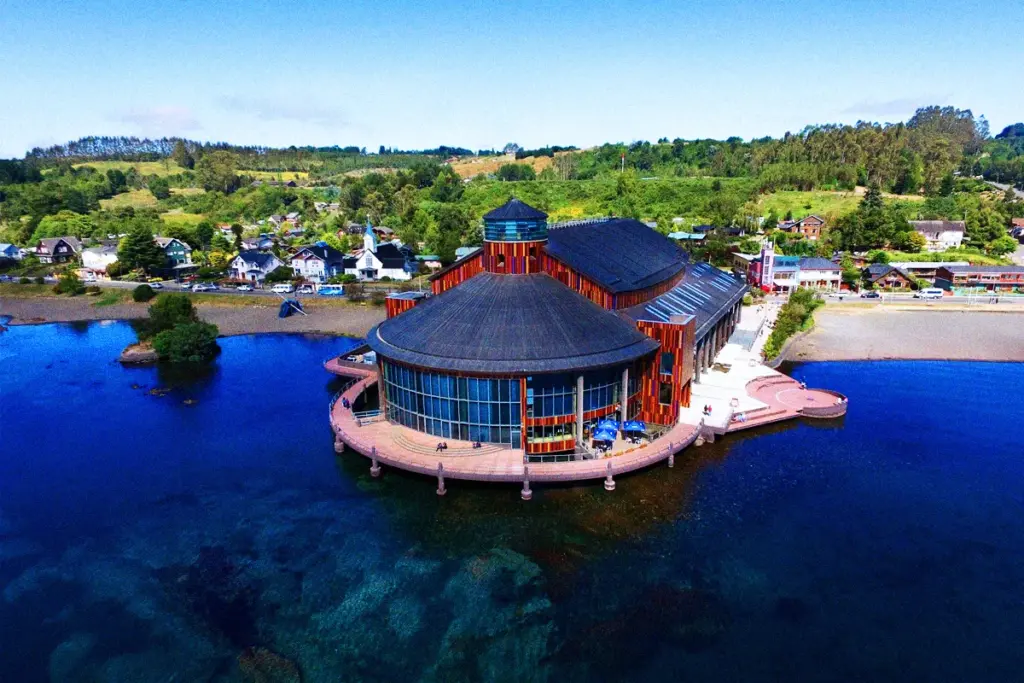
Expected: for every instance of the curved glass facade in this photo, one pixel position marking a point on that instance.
(515, 231)
(465, 408)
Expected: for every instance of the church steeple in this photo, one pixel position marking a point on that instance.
(369, 239)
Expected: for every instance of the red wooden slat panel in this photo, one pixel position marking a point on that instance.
(458, 275)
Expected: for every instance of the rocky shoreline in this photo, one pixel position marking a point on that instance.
(231, 320)
(883, 333)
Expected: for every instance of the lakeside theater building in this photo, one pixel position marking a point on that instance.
(530, 339)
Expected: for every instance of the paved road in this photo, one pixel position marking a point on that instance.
(1003, 186)
(899, 298)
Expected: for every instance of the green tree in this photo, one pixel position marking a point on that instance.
(771, 221)
(909, 241)
(236, 230)
(447, 186)
(514, 172)
(139, 251)
(69, 283)
(444, 236)
(203, 233)
(878, 256)
(1001, 246)
(192, 342)
(118, 182)
(217, 171)
(159, 187)
(167, 312)
(62, 224)
(143, 293)
(181, 156)
(850, 274)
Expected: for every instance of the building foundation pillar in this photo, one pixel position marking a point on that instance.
(374, 466)
(609, 482)
(440, 480)
(624, 397)
(526, 493)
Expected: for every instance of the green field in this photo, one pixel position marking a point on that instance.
(820, 202)
(176, 217)
(160, 168)
(139, 199)
(275, 175)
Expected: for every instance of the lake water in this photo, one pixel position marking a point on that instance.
(143, 538)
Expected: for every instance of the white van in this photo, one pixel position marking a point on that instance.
(284, 288)
(930, 293)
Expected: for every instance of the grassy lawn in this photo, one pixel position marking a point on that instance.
(187, 191)
(110, 297)
(820, 202)
(160, 168)
(951, 255)
(25, 291)
(139, 199)
(176, 217)
(275, 175)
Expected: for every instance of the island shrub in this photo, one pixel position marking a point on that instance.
(386, 278)
(191, 342)
(93, 290)
(143, 293)
(25, 281)
(68, 283)
(794, 316)
(168, 312)
(39, 280)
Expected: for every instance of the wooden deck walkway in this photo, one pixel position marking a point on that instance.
(406, 449)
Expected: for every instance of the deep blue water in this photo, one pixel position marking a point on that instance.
(146, 539)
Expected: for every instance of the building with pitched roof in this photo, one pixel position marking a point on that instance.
(254, 266)
(887, 276)
(58, 249)
(377, 260)
(940, 235)
(1003, 279)
(542, 331)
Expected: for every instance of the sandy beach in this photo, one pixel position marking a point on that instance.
(230, 319)
(882, 333)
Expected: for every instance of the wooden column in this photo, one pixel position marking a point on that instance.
(579, 410)
(624, 396)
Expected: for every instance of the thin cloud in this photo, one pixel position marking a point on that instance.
(162, 119)
(897, 107)
(268, 109)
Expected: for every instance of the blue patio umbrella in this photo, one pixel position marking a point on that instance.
(634, 426)
(608, 423)
(604, 435)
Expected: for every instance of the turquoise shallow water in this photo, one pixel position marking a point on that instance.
(145, 539)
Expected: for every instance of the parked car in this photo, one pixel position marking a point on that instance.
(156, 285)
(244, 288)
(202, 287)
(930, 293)
(331, 290)
(306, 289)
(870, 295)
(283, 288)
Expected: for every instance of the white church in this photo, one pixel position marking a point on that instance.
(379, 260)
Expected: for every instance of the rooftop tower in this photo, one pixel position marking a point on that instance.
(513, 235)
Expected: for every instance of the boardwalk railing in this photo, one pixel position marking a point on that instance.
(837, 409)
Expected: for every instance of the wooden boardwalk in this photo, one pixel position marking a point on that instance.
(407, 449)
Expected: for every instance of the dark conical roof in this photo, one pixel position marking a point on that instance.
(515, 210)
(496, 324)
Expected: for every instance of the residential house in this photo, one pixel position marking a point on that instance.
(999, 279)
(96, 259)
(887, 276)
(463, 252)
(925, 270)
(819, 273)
(178, 256)
(1017, 223)
(940, 235)
(9, 251)
(254, 266)
(58, 249)
(318, 262)
(276, 220)
(687, 237)
(776, 273)
(808, 226)
(376, 261)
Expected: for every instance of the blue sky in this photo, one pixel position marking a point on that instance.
(418, 74)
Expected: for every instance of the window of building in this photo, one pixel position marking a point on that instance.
(665, 393)
(668, 359)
